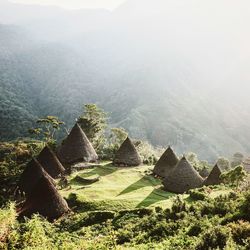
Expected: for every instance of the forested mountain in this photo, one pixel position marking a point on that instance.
(170, 72)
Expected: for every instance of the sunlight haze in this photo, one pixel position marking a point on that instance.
(171, 72)
(75, 4)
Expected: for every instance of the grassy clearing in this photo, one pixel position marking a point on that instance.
(122, 188)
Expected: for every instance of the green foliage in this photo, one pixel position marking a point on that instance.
(113, 142)
(93, 121)
(223, 163)
(7, 223)
(216, 238)
(197, 221)
(117, 136)
(148, 153)
(196, 163)
(75, 203)
(240, 231)
(13, 159)
(237, 159)
(13, 156)
(234, 176)
(184, 226)
(179, 205)
(140, 212)
(47, 128)
(245, 206)
(80, 220)
(198, 194)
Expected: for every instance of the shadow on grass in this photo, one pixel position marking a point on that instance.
(155, 196)
(145, 181)
(101, 171)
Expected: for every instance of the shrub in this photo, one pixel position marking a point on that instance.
(148, 153)
(221, 206)
(7, 222)
(197, 195)
(125, 234)
(215, 238)
(194, 230)
(140, 212)
(240, 231)
(158, 210)
(179, 205)
(234, 176)
(80, 220)
(245, 207)
(98, 217)
(35, 233)
(80, 205)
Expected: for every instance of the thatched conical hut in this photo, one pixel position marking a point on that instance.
(45, 200)
(166, 163)
(76, 147)
(127, 155)
(214, 177)
(182, 178)
(204, 173)
(50, 162)
(30, 176)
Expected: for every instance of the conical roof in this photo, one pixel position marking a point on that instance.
(45, 200)
(204, 173)
(214, 177)
(76, 147)
(166, 163)
(127, 154)
(30, 176)
(183, 178)
(50, 162)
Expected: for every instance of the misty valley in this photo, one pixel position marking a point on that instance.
(124, 128)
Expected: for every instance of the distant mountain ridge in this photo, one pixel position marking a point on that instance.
(168, 79)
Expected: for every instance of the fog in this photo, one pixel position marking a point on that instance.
(190, 58)
(75, 4)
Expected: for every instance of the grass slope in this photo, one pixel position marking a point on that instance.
(121, 188)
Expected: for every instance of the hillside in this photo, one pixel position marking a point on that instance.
(179, 79)
(122, 188)
(128, 209)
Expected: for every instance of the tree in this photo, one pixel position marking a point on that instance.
(117, 137)
(48, 126)
(93, 121)
(234, 176)
(193, 159)
(223, 163)
(237, 159)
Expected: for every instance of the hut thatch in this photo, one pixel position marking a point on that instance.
(45, 200)
(30, 176)
(127, 155)
(166, 163)
(204, 173)
(183, 178)
(50, 162)
(214, 177)
(76, 147)
(246, 164)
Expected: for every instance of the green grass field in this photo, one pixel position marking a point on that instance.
(121, 188)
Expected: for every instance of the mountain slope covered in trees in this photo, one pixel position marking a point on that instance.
(166, 72)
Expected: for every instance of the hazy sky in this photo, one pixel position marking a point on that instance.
(76, 4)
